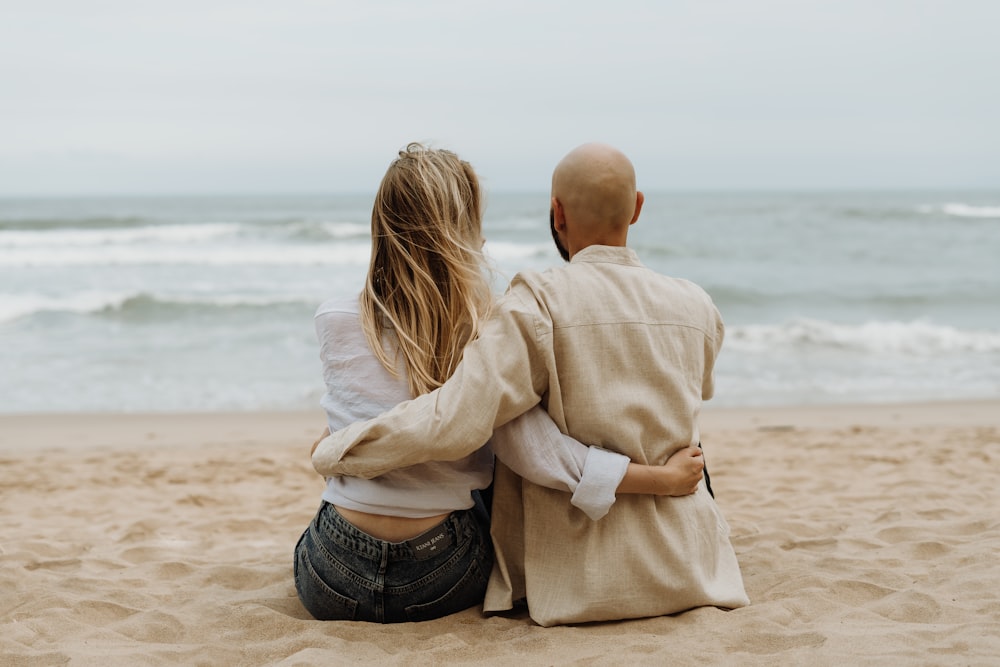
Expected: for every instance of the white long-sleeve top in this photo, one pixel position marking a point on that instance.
(358, 388)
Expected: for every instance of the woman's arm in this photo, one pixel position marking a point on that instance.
(533, 446)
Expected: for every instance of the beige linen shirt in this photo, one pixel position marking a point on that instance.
(620, 357)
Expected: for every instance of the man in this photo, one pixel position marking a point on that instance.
(620, 357)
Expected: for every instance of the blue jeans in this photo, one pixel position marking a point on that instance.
(343, 573)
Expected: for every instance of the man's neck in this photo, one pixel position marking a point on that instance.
(615, 241)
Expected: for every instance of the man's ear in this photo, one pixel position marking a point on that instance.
(639, 199)
(558, 216)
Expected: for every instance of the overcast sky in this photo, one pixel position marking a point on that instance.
(201, 96)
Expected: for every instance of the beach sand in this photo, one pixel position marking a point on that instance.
(867, 535)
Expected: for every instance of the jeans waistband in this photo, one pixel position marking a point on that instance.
(426, 545)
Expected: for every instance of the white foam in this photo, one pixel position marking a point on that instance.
(352, 254)
(346, 230)
(14, 306)
(967, 211)
(917, 338)
(239, 300)
(505, 250)
(74, 238)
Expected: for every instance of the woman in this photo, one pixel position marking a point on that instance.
(414, 544)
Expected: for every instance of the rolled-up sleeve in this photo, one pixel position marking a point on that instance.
(533, 447)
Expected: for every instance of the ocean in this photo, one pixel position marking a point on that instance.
(138, 304)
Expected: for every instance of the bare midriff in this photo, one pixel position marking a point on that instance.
(390, 528)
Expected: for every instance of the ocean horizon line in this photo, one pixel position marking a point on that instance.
(258, 194)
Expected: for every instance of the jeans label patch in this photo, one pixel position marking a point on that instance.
(431, 543)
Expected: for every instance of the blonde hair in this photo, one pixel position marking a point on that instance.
(426, 279)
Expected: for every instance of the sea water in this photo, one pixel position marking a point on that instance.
(206, 303)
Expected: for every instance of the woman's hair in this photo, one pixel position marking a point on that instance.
(426, 280)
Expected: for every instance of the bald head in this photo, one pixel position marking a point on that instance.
(593, 188)
(596, 185)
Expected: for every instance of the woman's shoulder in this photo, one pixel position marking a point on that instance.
(342, 305)
(338, 321)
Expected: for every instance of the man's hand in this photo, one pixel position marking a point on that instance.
(681, 474)
(325, 433)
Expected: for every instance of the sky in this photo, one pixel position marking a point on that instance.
(218, 96)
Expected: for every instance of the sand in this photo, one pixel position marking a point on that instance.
(867, 535)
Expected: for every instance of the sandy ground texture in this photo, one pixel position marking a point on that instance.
(867, 535)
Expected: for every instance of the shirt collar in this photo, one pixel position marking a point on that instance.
(607, 254)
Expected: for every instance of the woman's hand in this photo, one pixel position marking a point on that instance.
(679, 476)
